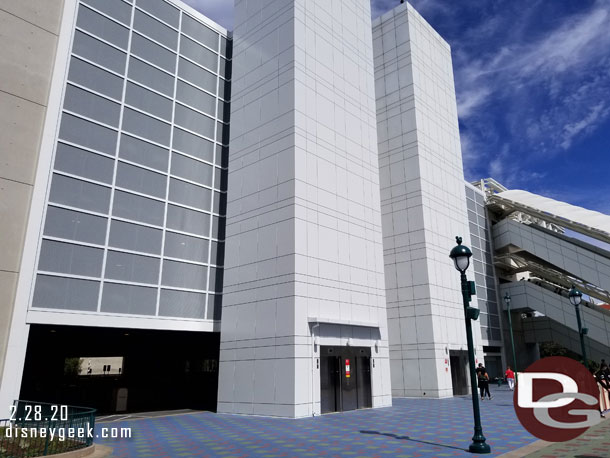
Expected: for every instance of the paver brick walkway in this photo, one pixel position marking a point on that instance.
(410, 428)
(595, 443)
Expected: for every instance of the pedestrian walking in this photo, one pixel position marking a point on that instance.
(510, 378)
(484, 384)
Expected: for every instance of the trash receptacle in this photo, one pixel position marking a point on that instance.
(120, 400)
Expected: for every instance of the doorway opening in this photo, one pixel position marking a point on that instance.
(458, 360)
(121, 370)
(345, 378)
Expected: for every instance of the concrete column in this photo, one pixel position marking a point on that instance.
(303, 220)
(29, 33)
(423, 202)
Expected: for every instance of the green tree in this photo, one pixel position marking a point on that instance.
(72, 367)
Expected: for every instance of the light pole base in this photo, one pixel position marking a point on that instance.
(479, 446)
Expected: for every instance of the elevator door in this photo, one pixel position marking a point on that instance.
(458, 361)
(330, 383)
(363, 366)
(345, 378)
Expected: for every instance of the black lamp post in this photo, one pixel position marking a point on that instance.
(461, 257)
(510, 325)
(575, 298)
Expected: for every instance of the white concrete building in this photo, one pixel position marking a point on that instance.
(304, 263)
(423, 203)
(336, 196)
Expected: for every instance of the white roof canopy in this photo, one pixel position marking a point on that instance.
(589, 222)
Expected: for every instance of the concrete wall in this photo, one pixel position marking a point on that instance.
(542, 329)
(527, 295)
(29, 31)
(423, 201)
(303, 220)
(588, 265)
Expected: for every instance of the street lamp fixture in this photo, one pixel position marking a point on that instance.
(512, 339)
(575, 299)
(461, 258)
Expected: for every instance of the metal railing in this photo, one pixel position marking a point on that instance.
(39, 429)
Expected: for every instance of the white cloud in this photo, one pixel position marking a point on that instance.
(572, 47)
(470, 99)
(574, 44)
(596, 115)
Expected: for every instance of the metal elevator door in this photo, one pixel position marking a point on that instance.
(345, 378)
(330, 383)
(363, 367)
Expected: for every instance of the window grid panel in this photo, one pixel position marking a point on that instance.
(161, 10)
(67, 275)
(141, 112)
(182, 304)
(189, 194)
(91, 106)
(82, 74)
(184, 248)
(79, 177)
(149, 75)
(114, 9)
(200, 32)
(136, 122)
(64, 292)
(71, 191)
(103, 53)
(191, 169)
(144, 153)
(82, 132)
(102, 26)
(87, 34)
(136, 268)
(129, 299)
(70, 258)
(213, 217)
(194, 120)
(190, 71)
(153, 52)
(199, 54)
(211, 115)
(156, 30)
(76, 227)
(116, 154)
(173, 288)
(72, 241)
(198, 87)
(82, 163)
(169, 167)
(184, 275)
(135, 238)
(196, 99)
(139, 97)
(193, 146)
(210, 304)
(141, 180)
(94, 122)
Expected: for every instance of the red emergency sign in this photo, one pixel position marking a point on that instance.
(347, 368)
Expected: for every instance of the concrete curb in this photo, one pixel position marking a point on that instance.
(526, 450)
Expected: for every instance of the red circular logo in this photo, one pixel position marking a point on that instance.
(556, 399)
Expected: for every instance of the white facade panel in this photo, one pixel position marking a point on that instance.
(303, 220)
(423, 202)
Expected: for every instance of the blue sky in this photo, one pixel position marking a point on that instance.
(533, 88)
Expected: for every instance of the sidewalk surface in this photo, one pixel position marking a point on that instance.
(410, 428)
(595, 443)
